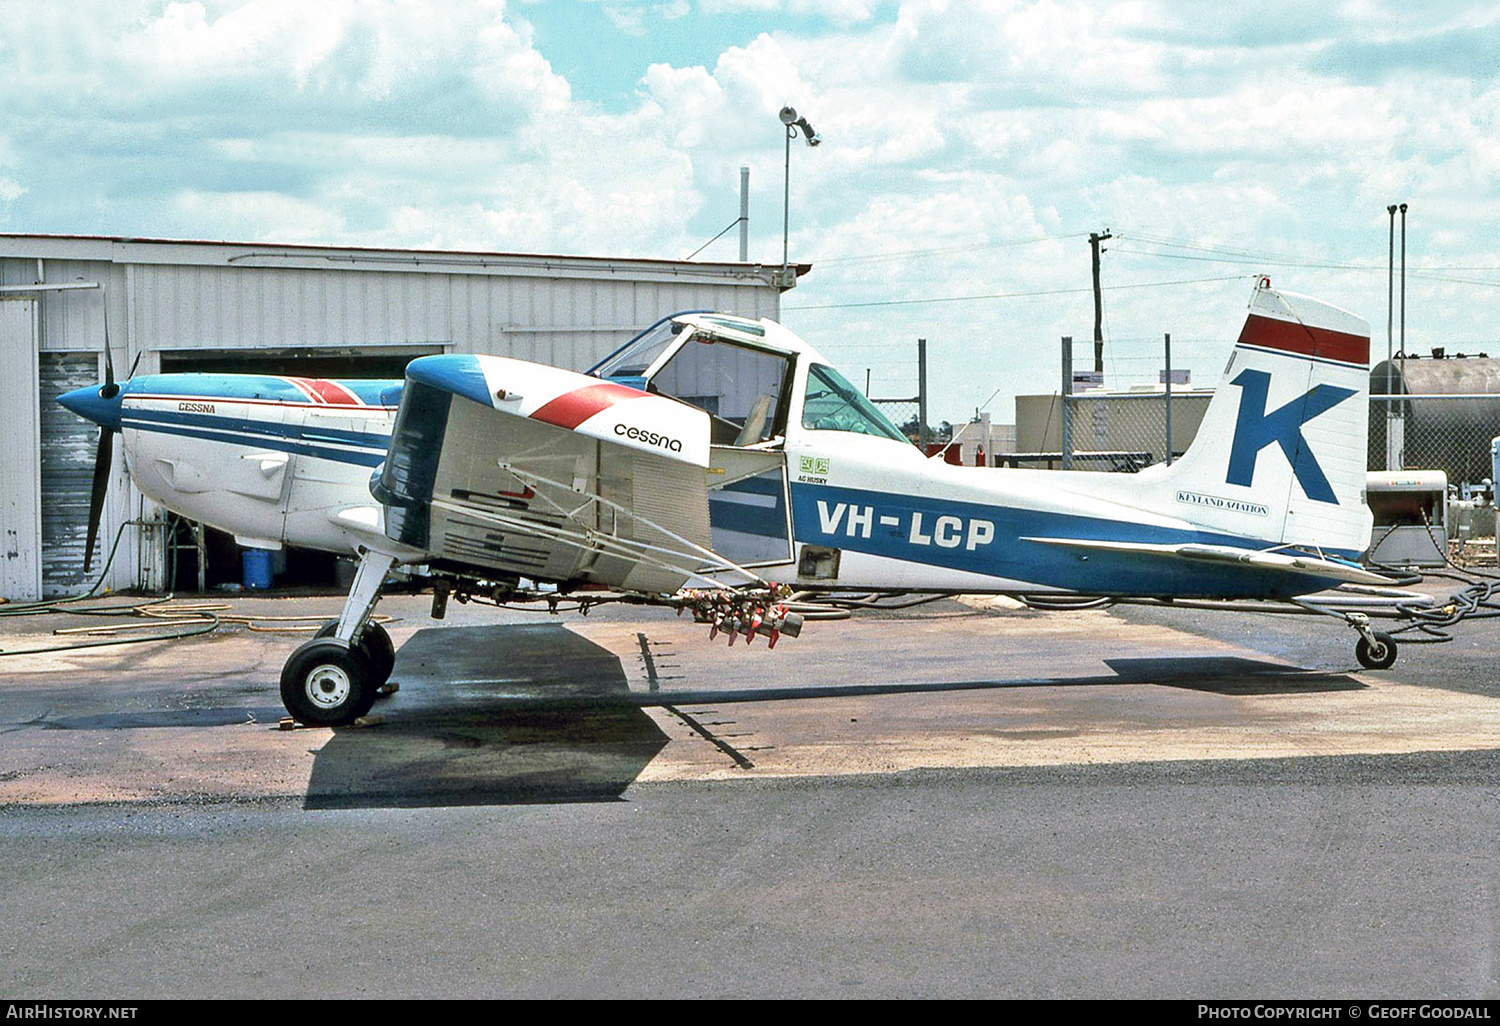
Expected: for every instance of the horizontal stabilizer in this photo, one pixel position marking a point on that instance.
(1311, 566)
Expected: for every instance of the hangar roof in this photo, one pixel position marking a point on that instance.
(125, 250)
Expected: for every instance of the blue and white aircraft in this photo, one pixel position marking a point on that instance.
(716, 464)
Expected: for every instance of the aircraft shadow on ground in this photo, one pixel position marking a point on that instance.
(537, 713)
(491, 716)
(1229, 675)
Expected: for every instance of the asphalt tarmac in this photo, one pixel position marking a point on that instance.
(947, 802)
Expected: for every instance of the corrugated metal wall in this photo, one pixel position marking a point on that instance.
(20, 521)
(565, 322)
(165, 296)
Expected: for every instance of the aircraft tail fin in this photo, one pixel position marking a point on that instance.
(1282, 450)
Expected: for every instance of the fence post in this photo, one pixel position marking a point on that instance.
(1067, 405)
(922, 433)
(1395, 432)
(1168, 347)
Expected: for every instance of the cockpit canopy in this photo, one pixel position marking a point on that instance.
(753, 378)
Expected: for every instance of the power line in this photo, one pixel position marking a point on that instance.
(1012, 295)
(1248, 259)
(715, 239)
(1457, 281)
(1223, 254)
(896, 254)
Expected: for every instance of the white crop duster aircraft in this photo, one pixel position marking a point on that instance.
(716, 463)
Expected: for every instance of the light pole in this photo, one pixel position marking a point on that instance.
(793, 123)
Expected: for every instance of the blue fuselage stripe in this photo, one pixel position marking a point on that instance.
(365, 449)
(303, 432)
(988, 539)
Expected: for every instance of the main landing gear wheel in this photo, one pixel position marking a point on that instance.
(375, 644)
(1377, 656)
(327, 684)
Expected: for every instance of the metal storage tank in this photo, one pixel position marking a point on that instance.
(1450, 434)
(332, 311)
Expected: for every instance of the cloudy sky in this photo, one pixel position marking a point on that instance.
(969, 148)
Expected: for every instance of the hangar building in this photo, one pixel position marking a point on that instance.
(312, 311)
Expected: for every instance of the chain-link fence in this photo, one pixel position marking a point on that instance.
(1126, 427)
(1124, 432)
(904, 413)
(1121, 431)
(1451, 433)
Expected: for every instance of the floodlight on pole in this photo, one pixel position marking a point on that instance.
(794, 123)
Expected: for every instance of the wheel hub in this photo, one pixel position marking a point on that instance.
(328, 687)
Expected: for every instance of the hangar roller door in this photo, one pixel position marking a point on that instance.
(68, 446)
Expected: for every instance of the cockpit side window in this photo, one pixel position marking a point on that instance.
(740, 387)
(832, 404)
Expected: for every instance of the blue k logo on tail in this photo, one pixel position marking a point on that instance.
(1255, 429)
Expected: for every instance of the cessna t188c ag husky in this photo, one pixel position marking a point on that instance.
(715, 463)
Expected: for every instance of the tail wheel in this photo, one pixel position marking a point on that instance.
(326, 683)
(1377, 656)
(375, 644)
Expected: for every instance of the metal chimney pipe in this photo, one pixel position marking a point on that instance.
(744, 215)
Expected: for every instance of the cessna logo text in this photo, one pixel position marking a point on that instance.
(1233, 505)
(636, 434)
(195, 407)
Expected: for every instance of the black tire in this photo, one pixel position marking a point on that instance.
(325, 683)
(1378, 656)
(379, 652)
(375, 644)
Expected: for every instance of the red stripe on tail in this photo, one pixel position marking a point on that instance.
(573, 408)
(1305, 340)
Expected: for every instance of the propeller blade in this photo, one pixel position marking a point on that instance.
(110, 389)
(102, 465)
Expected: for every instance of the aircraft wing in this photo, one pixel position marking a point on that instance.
(1310, 566)
(506, 468)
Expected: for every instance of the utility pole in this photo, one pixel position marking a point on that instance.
(793, 125)
(1094, 239)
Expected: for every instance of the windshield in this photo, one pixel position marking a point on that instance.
(832, 404)
(633, 360)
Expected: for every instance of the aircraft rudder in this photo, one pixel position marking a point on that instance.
(1280, 454)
